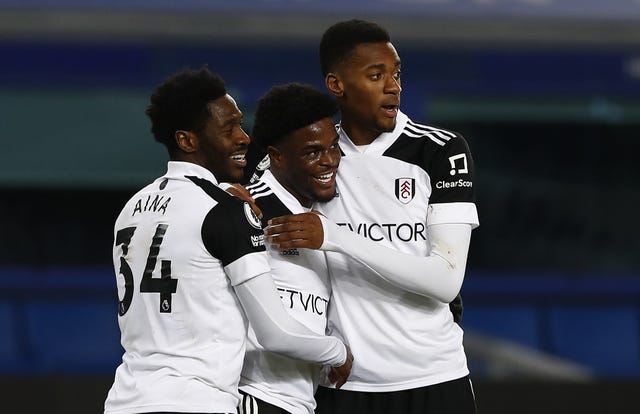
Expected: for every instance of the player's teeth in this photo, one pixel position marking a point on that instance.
(325, 177)
(238, 157)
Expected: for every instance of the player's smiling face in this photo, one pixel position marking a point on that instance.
(370, 82)
(306, 162)
(223, 143)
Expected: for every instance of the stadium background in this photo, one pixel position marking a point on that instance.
(546, 91)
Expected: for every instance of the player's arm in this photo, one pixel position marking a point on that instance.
(233, 234)
(278, 332)
(438, 275)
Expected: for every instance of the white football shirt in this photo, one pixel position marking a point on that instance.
(181, 244)
(302, 280)
(389, 192)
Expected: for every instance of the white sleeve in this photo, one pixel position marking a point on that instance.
(278, 332)
(438, 275)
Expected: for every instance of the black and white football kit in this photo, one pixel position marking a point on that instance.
(302, 279)
(189, 258)
(404, 186)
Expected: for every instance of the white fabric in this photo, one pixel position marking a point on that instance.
(302, 279)
(453, 213)
(188, 360)
(278, 332)
(438, 275)
(399, 339)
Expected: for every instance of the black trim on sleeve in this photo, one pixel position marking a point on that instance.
(270, 205)
(452, 173)
(227, 230)
(449, 165)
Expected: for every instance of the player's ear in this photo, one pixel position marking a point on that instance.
(334, 84)
(275, 156)
(187, 141)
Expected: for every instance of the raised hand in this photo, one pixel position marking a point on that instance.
(295, 231)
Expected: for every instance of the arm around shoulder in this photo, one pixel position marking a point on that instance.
(438, 275)
(278, 332)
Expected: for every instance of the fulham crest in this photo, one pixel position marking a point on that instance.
(405, 189)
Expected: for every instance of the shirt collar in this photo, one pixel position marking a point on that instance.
(380, 144)
(283, 194)
(180, 169)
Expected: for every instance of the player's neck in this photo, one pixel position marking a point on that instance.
(282, 180)
(359, 135)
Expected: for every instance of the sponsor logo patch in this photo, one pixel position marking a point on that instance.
(290, 252)
(405, 189)
(458, 164)
(257, 241)
(454, 184)
(406, 232)
(251, 216)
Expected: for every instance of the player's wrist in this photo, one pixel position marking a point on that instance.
(331, 233)
(342, 358)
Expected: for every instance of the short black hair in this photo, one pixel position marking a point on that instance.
(339, 40)
(285, 108)
(181, 103)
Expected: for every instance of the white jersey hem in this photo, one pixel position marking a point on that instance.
(261, 395)
(171, 408)
(405, 385)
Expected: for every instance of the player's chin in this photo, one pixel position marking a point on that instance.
(386, 124)
(234, 174)
(324, 194)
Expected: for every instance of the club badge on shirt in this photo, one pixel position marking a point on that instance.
(405, 189)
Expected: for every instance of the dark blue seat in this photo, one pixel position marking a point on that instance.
(74, 336)
(514, 323)
(11, 355)
(604, 338)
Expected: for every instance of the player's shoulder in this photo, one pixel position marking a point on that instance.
(259, 189)
(202, 196)
(229, 212)
(231, 229)
(267, 199)
(260, 168)
(420, 144)
(429, 135)
(262, 193)
(211, 190)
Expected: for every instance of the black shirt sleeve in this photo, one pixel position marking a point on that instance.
(231, 230)
(451, 171)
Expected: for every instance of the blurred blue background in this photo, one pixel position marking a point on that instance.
(547, 92)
